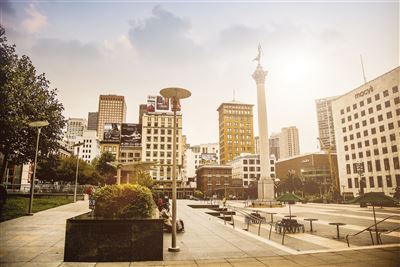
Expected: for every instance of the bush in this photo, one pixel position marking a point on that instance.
(198, 194)
(124, 201)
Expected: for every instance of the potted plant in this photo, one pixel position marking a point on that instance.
(123, 227)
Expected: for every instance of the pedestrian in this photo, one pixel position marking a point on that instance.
(224, 201)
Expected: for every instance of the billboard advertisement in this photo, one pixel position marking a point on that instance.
(112, 132)
(162, 103)
(131, 135)
(151, 103)
(208, 157)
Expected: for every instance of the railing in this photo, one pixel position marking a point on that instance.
(250, 218)
(371, 229)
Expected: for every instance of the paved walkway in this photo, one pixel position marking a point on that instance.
(39, 241)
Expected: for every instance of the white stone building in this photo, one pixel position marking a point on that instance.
(247, 168)
(90, 148)
(157, 131)
(367, 132)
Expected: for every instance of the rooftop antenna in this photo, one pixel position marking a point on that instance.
(362, 66)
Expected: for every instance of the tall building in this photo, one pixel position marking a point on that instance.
(289, 145)
(112, 109)
(157, 137)
(325, 123)
(367, 133)
(75, 128)
(92, 120)
(274, 147)
(235, 130)
(142, 110)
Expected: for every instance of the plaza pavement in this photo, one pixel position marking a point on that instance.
(39, 241)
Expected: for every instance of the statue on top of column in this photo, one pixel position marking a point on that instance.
(258, 57)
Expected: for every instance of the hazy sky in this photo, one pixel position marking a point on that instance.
(133, 48)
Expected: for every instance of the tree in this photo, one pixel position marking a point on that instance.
(25, 97)
(142, 177)
(101, 164)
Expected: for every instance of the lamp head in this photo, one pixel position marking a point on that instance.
(38, 124)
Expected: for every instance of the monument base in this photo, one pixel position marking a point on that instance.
(266, 190)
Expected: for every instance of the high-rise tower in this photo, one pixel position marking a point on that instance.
(112, 109)
(265, 183)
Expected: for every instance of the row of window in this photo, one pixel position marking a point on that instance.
(392, 137)
(130, 155)
(368, 153)
(161, 138)
(395, 90)
(371, 182)
(359, 166)
(376, 150)
(390, 126)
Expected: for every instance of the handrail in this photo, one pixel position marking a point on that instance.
(249, 217)
(368, 229)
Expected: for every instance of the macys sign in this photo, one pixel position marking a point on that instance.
(364, 92)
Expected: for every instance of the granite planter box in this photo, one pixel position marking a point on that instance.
(91, 239)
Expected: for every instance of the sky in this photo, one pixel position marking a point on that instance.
(310, 49)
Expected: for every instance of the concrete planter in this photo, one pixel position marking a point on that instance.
(89, 239)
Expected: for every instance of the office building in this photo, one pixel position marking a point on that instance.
(75, 128)
(157, 137)
(142, 110)
(203, 154)
(289, 145)
(320, 168)
(326, 129)
(92, 121)
(367, 133)
(246, 167)
(90, 148)
(236, 134)
(112, 109)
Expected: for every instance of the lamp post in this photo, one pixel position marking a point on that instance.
(276, 183)
(77, 168)
(174, 94)
(303, 181)
(344, 196)
(38, 125)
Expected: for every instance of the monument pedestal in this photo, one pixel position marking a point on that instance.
(265, 190)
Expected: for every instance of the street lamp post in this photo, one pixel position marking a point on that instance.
(38, 125)
(276, 184)
(174, 94)
(303, 181)
(344, 196)
(77, 168)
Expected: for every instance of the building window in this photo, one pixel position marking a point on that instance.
(348, 169)
(349, 183)
(387, 104)
(380, 182)
(384, 150)
(395, 90)
(377, 97)
(386, 93)
(392, 137)
(371, 120)
(386, 164)
(373, 131)
(380, 118)
(366, 142)
(394, 148)
(364, 123)
(369, 166)
(382, 128)
(391, 126)
(368, 153)
(356, 183)
(378, 107)
(371, 182)
(369, 100)
(362, 103)
(370, 110)
(389, 181)
(378, 165)
(396, 163)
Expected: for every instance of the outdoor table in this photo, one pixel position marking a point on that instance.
(337, 227)
(311, 220)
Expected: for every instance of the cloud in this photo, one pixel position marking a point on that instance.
(70, 50)
(163, 36)
(6, 8)
(36, 21)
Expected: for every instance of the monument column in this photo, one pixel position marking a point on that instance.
(265, 183)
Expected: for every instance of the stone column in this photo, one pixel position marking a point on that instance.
(265, 183)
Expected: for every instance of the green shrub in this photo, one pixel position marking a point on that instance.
(124, 201)
(198, 194)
